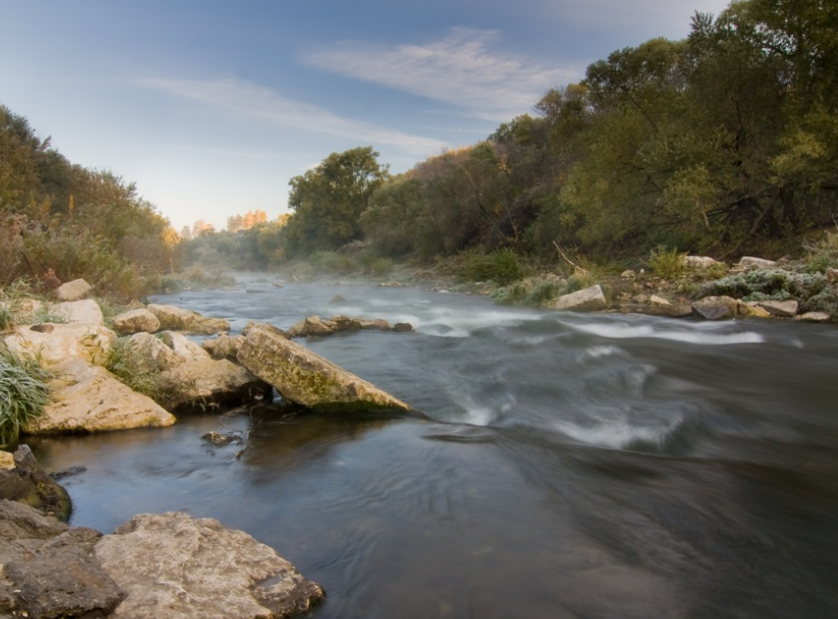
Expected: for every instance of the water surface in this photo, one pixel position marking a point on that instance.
(579, 466)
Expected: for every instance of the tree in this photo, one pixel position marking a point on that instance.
(328, 200)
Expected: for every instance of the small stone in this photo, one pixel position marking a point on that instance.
(813, 317)
(751, 262)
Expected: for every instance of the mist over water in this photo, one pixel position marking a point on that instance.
(597, 466)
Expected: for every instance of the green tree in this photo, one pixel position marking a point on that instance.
(328, 201)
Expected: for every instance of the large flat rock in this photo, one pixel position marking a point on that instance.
(85, 398)
(175, 566)
(305, 378)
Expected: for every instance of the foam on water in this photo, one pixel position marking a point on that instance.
(619, 432)
(626, 331)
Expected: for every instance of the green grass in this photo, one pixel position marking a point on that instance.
(132, 369)
(23, 395)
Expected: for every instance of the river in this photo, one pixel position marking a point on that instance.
(572, 466)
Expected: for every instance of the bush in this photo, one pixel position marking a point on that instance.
(768, 284)
(332, 263)
(23, 395)
(667, 264)
(501, 267)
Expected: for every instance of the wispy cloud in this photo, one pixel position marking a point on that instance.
(460, 69)
(251, 99)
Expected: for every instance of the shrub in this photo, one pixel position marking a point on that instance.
(332, 263)
(765, 284)
(501, 267)
(531, 291)
(667, 264)
(23, 395)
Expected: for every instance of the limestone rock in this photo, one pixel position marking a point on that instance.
(7, 460)
(28, 483)
(587, 300)
(156, 354)
(136, 321)
(659, 301)
(700, 262)
(183, 348)
(813, 317)
(312, 325)
(49, 570)
(374, 324)
(194, 378)
(223, 346)
(177, 319)
(831, 275)
(782, 309)
(751, 262)
(305, 378)
(89, 342)
(86, 311)
(88, 398)
(751, 310)
(73, 291)
(715, 308)
(211, 381)
(175, 566)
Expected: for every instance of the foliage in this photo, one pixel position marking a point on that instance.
(332, 263)
(530, 291)
(501, 266)
(668, 264)
(328, 201)
(763, 284)
(23, 395)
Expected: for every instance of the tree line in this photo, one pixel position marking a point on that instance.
(60, 221)
(724, 142)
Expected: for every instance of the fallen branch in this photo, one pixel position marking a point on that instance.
(569, 261)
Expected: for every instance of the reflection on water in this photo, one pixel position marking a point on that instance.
(573, 466)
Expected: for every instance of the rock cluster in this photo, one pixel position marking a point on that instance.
(167, 565)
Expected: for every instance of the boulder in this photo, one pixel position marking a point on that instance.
(49, 569)
(155, 353)
(86, 311)
(223, 346)
(194, 378)
(749, 262)
(715, 307)
(175, 566)
(73, 291)
(136, 321)
(313, 325)
(587, 300)
(7, 460)
(87, 398)
(85, 341)
(305, 378)
(177, 319)
(26, 482)
(781, 309)
(374, 324)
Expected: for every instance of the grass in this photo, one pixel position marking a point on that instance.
(132, 369)
(23, 395)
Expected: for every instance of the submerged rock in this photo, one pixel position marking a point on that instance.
(305, 378)
(175, 566)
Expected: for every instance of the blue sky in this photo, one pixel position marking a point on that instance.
(212, 106)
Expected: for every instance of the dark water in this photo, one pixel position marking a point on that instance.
(598, 466)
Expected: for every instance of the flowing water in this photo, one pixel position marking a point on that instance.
(572, 466)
